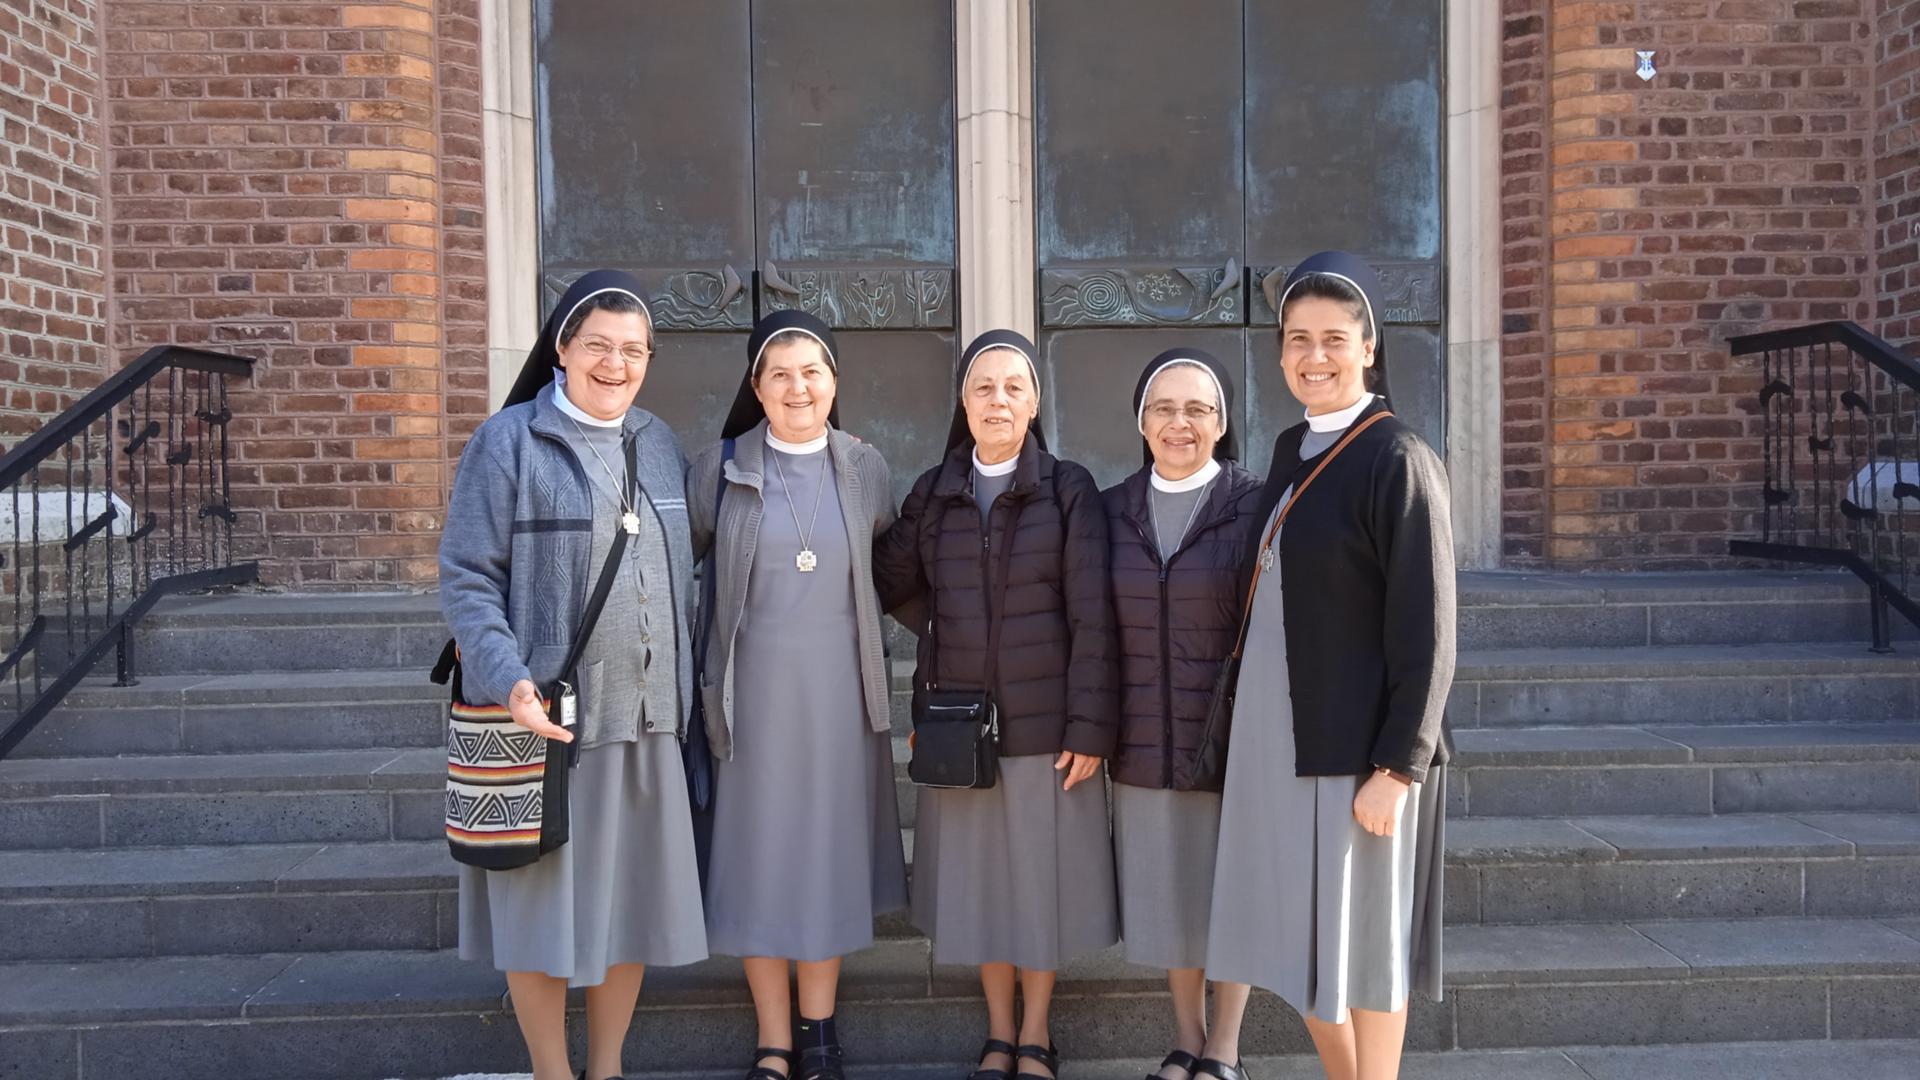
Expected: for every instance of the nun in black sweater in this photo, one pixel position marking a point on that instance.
(1327, 888)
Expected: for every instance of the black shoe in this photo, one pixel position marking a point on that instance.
(820, 1054)
(1214, 1067)
(758, 1071)
(993, 1046)
(1179, 1059)
(1045, 1055)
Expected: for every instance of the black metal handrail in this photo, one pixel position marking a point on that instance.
(184, 447)
(1826, 497)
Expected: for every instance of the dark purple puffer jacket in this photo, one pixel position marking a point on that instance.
(1177, 621)
(1055, 680)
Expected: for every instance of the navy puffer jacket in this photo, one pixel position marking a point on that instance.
(1177, 621)
(1055, 680)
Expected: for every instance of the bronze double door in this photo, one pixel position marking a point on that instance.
(741, 156)
(1191, 153)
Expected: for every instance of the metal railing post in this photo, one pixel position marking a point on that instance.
(124, 658)
(1882, 621)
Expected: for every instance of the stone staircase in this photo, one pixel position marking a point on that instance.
(1686, 811)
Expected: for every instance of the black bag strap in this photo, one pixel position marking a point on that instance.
(446, 669)
(995, 610)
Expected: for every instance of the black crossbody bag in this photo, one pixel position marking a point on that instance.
(956, 733)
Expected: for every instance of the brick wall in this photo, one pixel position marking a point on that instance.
(462, 225)
(1896, 169)
(1524, 281)
(296, 182)
(52, 309)
(1728, 194)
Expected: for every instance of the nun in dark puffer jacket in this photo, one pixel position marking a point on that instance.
(1178, 534)
(1016, 877)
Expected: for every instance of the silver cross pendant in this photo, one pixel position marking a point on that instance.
(1266, 558)
(630, 521)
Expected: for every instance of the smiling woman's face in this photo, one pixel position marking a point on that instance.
(796, 387)
(1325, 353)
(604, 386)
(1181, 420)
(1001, 402)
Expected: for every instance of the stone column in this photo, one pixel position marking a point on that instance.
(513, 214)
(1473, 279)
(994, 82)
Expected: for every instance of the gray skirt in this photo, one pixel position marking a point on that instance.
(1326, 915)
(1164, 843)
(1306, 903)
(1018, 873)
(624, 889)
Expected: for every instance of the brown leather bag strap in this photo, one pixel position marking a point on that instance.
(1259, 560)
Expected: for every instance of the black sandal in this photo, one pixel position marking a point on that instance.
(1221, 1070)
(1179, 1059)
(1045, 1055)
(820, 1054)
(758, 1071)
(993, 1046)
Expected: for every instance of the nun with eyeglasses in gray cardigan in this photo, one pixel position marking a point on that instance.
(535, 508)
(806, 847)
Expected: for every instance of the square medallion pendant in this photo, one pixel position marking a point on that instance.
(806, 561)
(630, 521)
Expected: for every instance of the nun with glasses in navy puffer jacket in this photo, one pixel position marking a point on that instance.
(1177, 529)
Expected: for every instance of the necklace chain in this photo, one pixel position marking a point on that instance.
(806, 535)
(619, 489)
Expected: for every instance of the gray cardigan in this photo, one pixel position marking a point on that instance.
(516, 553)
(866, 495)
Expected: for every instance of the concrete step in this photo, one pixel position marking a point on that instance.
(1713, 769)
(1878, 1059)
(1543, 870)
(326, 796)
(1684, 684)
(75, 905)
(240, 899)
(242, 713)
(429, 1014)
(1655, 684)
(237, 632)
(1686, 769)
(187, 799)
(1504, 610)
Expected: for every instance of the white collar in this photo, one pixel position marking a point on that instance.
(1342, 420)
(811, 446)
(1001, 469)
(566, 405)
(1201, 478)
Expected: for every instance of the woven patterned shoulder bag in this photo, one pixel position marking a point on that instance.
(507, 786)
